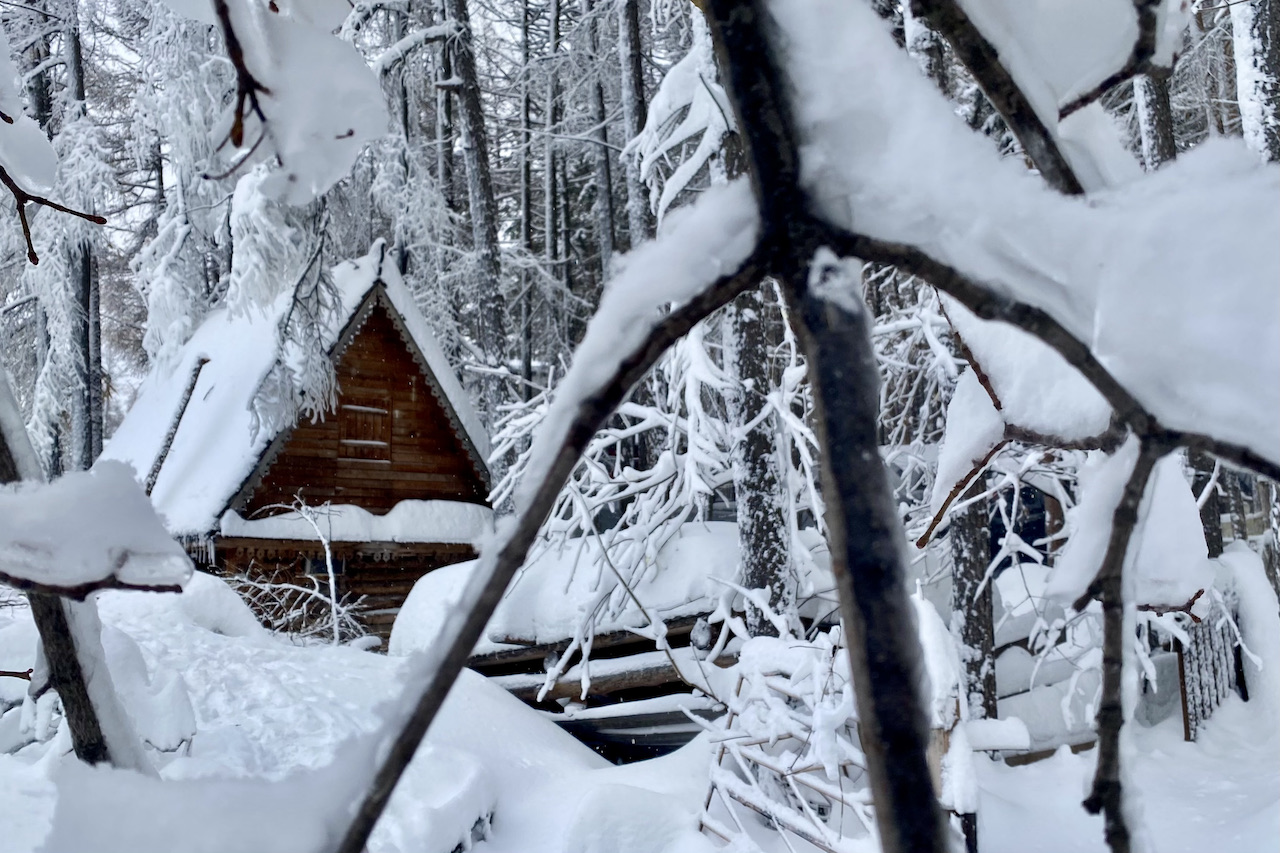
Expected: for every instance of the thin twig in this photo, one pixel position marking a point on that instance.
(21, 197)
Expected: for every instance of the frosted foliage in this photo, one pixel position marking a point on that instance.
(702, 242)
(267, 248)
(1125, 269)
(689, 107)
(322, 102)
(25, 151)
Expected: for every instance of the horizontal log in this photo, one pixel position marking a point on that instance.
(605, 683)
(530, 651)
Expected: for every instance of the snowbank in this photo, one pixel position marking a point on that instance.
(408, 521)
(559, 588)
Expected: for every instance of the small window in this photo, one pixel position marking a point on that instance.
(364, 431)
(318, 566)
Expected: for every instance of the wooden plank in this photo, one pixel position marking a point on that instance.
(530, 651)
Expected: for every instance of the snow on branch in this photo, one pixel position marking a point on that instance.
(118, 541)
(394, 55)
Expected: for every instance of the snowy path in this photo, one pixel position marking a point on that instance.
(1221, 793)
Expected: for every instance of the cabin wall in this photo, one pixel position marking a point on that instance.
(388, 439)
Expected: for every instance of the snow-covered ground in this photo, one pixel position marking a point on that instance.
(270, 715)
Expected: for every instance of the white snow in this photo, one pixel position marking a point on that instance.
(407, 521)
(1037, 388)
(1125, 270)
(559, 588)
(974, 427)
(1168, 557)
(87, 528)
(25, 151)
(218, 440)
(321, 102)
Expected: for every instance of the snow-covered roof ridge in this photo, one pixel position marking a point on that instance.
(193, 434)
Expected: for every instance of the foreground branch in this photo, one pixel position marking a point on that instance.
(1107, 793)
(510, 554)
(866, 563)
(81, 591)
(982, 60)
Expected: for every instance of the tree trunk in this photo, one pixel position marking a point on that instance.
(444, 121)
(758, 477)
(1255, 27)
(600, 132)
(639, 219)
(550, 212)
(526, 212)
(1210, 513)
(971, 619)
(86, 405)
(1155, 118)
(61, 670)
(490, 326)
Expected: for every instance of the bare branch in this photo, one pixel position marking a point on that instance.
(80, 591)
(1162, 609)
(1139, 61)
(21, 197)
(957, 490)
(247, 86)
(1106, 796)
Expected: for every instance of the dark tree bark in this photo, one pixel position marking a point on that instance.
(639, 219)
(1155, 118)
(600, 132)
(1210, 510)
(758, 479)
(971, 619)
(86, 406)
(444, 119)
(1257, 55)
(490, 324)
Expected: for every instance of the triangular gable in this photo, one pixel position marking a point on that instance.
(378, 297)
(193, 421)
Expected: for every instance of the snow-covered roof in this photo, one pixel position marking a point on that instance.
(200, 404)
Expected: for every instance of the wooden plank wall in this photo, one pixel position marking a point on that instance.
(388, 440)
(425, 459)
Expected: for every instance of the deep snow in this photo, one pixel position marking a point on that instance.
(271, 717)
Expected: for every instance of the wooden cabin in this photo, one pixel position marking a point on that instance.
(392, 478)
